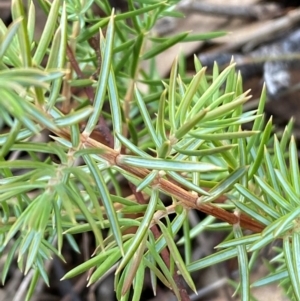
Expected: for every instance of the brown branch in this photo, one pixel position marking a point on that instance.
(259, 11)
(187, 198)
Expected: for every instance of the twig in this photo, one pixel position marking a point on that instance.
(77, 288)
(5, 5)
(95, 286)
(209, 289)
(259, 11)
(65, 288)
(257, 33)
(187, 198)
(21, 292)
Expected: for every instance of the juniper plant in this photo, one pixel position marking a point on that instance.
(82, 85)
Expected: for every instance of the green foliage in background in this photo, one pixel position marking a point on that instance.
(183, 130)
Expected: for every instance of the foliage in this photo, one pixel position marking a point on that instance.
(178, 137)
